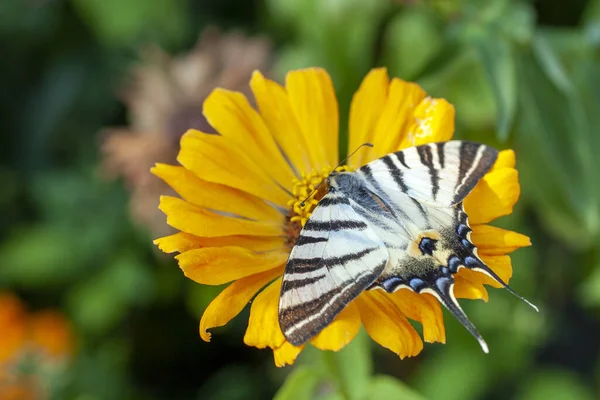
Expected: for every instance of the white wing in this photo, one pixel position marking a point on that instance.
(435, 174)
(336, 257)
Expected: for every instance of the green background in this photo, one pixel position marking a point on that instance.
(521, 74)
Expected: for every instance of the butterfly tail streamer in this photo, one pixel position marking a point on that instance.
(472, 260)
(443, 290)
(481, 267)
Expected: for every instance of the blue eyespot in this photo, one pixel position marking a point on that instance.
(471, 261)
(468, 245)
(416, 284)
(454, 263)
(390, 284)
(462, 230)
(427, 245)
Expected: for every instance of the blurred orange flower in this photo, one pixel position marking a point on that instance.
(43, 341)
(239, 211)
(13, 326)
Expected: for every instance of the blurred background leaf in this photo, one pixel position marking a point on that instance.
(119, 23)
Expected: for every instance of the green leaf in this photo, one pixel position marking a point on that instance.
(551, 64)
(39, 256)
(589, 290)
(455, 373)
(498, 62)
(105, 298)
(351, 367)
(386, 387)
(591, 13)
(299, 385)
(556, 130)
(462, 82)
(122, 22)
(411, 41)
(555, 385)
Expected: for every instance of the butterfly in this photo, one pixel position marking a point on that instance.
(396, 223)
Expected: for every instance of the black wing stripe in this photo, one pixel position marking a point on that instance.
(335, 225)
(441, 153)
(475, 161)
(300, 283)
(333, 201)
(303, 265)
(426, 157)
(305, 239)
(395, 172)
(400, 156)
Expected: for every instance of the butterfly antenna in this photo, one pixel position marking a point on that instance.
(354, 152)
(303, 203)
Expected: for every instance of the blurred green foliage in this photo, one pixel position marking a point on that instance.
(521, 74)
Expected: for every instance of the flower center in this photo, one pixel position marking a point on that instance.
(306, 199)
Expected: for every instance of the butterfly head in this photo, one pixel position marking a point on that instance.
(341, 181)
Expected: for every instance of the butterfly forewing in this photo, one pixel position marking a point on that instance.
(438, 174)
(336, 257)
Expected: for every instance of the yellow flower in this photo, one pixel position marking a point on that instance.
(241, 190)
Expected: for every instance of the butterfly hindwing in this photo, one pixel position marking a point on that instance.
(336, 257)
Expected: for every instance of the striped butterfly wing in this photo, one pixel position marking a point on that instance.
(435, 174)
(436, 177)
(336, 257)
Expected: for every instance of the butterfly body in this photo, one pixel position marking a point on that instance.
(395, 223)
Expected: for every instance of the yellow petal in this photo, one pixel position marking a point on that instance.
(232, 300)
(425, 309)
(215, 196)
(218, 265)
(263, 325)
(234, 118)
(365, 110)
(315, 106)
(181, 242)
(506, 159)
(178, 242)
(197, 221)
(468, 285)
(396, 117)
(501, 265)
(274, 106)
(387, 325)
(494, 196)
(286, 354)
(217, 159)
(496, 241)
(341, 331)
(433, 122)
